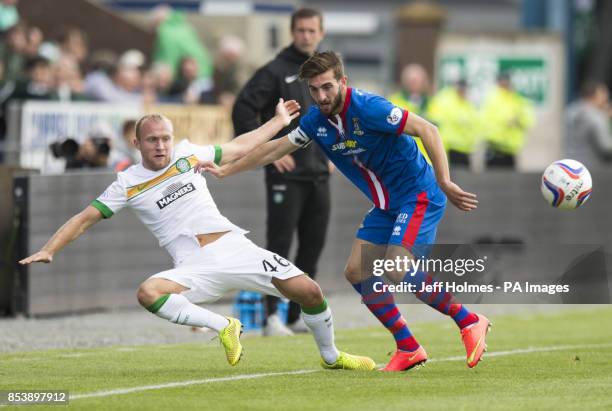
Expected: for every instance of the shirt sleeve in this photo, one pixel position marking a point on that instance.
(382, 116)
(204, 153)
(112, 200)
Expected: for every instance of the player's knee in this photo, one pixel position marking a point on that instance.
(147, 294)
(352, 274)
(312, 295)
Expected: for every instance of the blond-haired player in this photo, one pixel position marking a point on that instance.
(211, 255)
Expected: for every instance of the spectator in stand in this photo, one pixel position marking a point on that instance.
(13, 44)
(12, 50)
(588, 132)
(157, 82)
(9, 16)
(147, 84)
(73, 41)
(98, 80)
(458, 121)
(125, 85)
(414, 92)
(133, 58)
(38, 84)
(68, 79)
(177, 39)
(34, 39)
(187, 87)
(229, 73)
(508, 117)
(127, 82)
(414, 95)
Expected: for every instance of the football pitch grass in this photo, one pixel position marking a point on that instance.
(554, 361)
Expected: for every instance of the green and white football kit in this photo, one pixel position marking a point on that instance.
(175, 205)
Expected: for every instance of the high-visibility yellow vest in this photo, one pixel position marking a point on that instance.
(399, 99)
(507, 116)
(458, 120)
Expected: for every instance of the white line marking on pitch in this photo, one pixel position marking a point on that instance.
(121, 391)
(186, 383)
(525, 351)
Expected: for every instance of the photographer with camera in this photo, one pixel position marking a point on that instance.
(93, 152)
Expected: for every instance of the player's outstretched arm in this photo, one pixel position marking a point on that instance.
(286, 111)
(67, 233)
(418, 126)
(262, 155)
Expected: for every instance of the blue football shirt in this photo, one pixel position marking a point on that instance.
(366, 143)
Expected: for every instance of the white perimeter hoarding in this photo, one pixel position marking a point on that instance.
(43, 123)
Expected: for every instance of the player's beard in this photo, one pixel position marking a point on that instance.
(336, 105)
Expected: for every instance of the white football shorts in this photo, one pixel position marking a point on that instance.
(233, 262)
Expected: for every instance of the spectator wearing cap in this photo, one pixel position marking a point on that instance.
(132, 58)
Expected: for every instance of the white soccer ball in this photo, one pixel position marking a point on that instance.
(566, 184)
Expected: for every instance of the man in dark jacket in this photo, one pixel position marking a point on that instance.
(297, 185)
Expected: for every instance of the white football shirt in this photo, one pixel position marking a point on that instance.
(170, 202)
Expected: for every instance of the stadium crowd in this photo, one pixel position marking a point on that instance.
(36, 66)
(33, 66)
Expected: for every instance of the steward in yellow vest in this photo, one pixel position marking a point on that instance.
(458, 121)
(508, 116)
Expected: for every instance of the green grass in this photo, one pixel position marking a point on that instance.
(571, 378)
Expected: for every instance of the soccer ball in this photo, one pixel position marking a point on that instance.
(566, 184)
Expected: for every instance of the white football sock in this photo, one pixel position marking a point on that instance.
(322, 327)
(179, 310)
